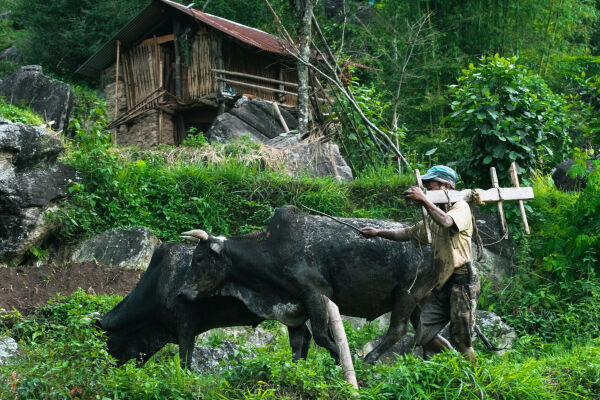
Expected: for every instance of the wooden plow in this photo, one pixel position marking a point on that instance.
(496, 194)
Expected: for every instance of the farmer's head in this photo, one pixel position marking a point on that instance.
(440, 177)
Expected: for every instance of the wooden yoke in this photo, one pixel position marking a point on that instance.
(496, 194)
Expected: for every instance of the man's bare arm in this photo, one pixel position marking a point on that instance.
(399, 235)
(436, 213)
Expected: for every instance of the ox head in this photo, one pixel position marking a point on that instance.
(210, 262)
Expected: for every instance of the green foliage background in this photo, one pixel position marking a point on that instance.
(534, 102)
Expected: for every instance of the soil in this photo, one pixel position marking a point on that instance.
(26, 287)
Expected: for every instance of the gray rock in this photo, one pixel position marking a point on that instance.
(128, 248)
(284, 140)
(498, 249)
(11, 54)
(51, 99)
(497, 331)
(8, 349)
(227, 127)
(32, 182)
(255, 118)
(316, 159)
(563, 179)
(207, 359)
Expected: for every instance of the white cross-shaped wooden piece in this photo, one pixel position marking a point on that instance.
(496, 194)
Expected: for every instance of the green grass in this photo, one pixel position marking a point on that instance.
(62, 355)
(19, 113)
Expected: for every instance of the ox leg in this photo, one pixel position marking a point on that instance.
(186, 349)
(319, 322)
(403, 310)
(299, 340)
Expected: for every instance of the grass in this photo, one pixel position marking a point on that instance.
(62, 355)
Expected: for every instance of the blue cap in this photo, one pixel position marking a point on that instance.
(442, 174)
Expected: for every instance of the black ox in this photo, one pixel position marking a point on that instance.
(280, 272)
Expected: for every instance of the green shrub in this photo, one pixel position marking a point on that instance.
(504, 113)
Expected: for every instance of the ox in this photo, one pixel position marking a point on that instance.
(283, 271)
(153, 314)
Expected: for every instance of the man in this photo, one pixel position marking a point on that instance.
(456, 290)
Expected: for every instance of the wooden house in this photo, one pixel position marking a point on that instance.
(172, 68)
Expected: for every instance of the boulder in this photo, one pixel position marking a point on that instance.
(564, 180)
(255, 118)
(11, 54)
(51, 99)
(8, 349)
(32, 182)
(315, 158)
(228, 127)
(127, 248)
(497, 331)
(206, 360)
(498, 249)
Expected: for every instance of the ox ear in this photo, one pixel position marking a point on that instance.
(195, 236)
(217, 244)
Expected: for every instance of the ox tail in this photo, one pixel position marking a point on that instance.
(486, 341)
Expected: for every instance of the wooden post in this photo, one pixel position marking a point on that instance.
(339, 334)
(116, 111)
(423, 209)
(177, 60)
(515, 180)
(276, 108)
(500, 203)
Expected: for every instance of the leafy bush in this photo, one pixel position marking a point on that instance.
(16, 113)
(504, 113)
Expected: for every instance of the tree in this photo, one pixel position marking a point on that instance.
(62, 34)
(504, 113)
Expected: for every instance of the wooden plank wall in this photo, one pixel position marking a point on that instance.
(197, 79)
(141, 66)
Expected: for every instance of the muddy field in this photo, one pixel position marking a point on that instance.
(27, 287)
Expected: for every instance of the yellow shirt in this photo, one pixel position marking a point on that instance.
(450, 248)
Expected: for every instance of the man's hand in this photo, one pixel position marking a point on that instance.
(415, 193)
(369, 232)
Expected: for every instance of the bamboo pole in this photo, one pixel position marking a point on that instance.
(339, 334)
(257, 77)
(276, 108)
(256, 86)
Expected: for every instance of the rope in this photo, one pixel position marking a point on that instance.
(333, 218)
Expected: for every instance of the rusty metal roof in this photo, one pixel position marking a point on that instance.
(252, 36)
(156, 13)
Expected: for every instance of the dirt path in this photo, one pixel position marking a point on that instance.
(25, 288)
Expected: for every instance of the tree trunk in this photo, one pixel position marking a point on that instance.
(304, 9)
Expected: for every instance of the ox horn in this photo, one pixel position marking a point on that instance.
(195, 235)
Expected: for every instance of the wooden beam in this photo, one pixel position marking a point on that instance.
(493, 195)
(159, 39)
(116, 113)
(278, 112)
(500, 203)
(258, 78)
(515, 180)
(256, 86)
